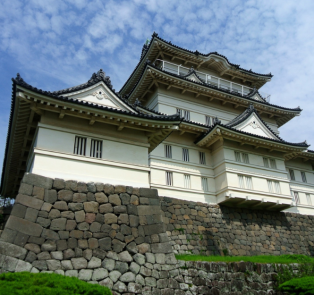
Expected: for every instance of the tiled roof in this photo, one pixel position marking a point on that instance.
(247, 97)
(242, 117)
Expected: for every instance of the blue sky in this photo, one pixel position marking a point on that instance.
(57, 44)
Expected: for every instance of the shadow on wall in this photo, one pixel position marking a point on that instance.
(199, 228)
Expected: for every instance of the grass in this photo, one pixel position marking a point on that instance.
(25, 283)
(282, 259)
(299, 286)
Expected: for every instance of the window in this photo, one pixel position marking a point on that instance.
(169, 178)
(204, 184)
(291, 172)
(245, 181)
(168, 151)
(273, 186)
(187, 181)
(184, 113)
(244, 158)
(185, 155)
(308, 198)
(208, 120)
(202, 158)
(80, 146)
(96, 148)
(296, 197)
(265, 160)
(303, 176)
(237, 156)
(273, 163)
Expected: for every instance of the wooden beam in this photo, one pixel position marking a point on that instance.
(183, 91)
(92, 120)
(62, 114)
(197, 95)
(169, 86)
(120, 127)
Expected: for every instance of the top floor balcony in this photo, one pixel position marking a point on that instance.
(209, 79)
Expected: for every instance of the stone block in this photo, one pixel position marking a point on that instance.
(132, 248)
(24, 226)
(49, 245)
(150, 258)
(61, 245)
(19, 210)
(67, 214)
(134, 200)
(58, 184)
(90, 217)
(79, 198)
(70, 225)
(36, 240)
(71, 185)
(59, 272)
(58, 224)
(79, 263)
(37, 180)
(50, 234)
(87, 254)
(77, 234)
(109, 264)
(53, 264)
(43, 256)
(9, 263)
(68, 254)
(134, 288)
(117, 246)
(154, 229)
(119, 209)
(148, 192)
(94, 263)
(82, 187)
(114, 275)
(91, 207)
(115, 200)
(160, 258)
(99, 186)
(40, 264)
(110, 218)
(107, 282)
(71, 273)
(31, 214)
(140, 280)
(75, 206)
(44, 222)
(32, 247)
(85, 274)
(83, 226)
(125, 198)
(29, 201)
(105, 208)
(134, 220)
(132, 209)
(8, 235)
(95, 227)
(108, 189)
(135, 268)
(127, 277)
(43, 214)
(143, 248)
(31, 256)
(90, 197)
(125, 230)
(38, 192)
(139, 259)
(23, 266)
(105, 244)
(50, 196)
(66, 264)
(83, 244)
(54, 213)
(151, 282)
(58, 255)
(61, 205)
(101, 198)
(125, 256)
(119, 189)
(65, 195)
(79, 216)
(144, 201)
(148, 210)
(100, 274)
(46, 207)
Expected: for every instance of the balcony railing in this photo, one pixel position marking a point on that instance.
(209, 79)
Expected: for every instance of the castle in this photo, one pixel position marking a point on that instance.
(192, 125)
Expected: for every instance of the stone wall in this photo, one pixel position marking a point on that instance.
(125, 238)
(213, 230)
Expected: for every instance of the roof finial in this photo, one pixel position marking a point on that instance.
(251, 107)
(216, 121)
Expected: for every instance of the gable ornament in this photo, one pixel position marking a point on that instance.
(100, 94)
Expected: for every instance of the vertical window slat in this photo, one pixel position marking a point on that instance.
(237, 156)
(202, 158)
(245, 158)
(303, 175)
(96, 148)
(273, 163)
(168, 151)
(80, 146)
(291, 172)
(204, 184)
(169, 178)
(296, 197)
(265, 160)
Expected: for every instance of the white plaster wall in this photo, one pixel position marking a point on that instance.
(78, 168)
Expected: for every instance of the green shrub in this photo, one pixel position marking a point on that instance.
(302, 286)
(25, 283)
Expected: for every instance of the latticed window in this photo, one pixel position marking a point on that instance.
(187, 181)
(80, 146)
(296, 197)
(204, 184)
(308, 198)
(185, 155)
(273, 163)
(241, 157)
(169, 178)
(202, 158)
(245, 181)
(248, 182)
(96, 148)
(270, 186)
(208, 120)
(265, 160)
(187, 115)
(273, 186)
(277, 187)
(241, 181)
(303, 176)
(168, 151)
(237, 156)
(291, 172)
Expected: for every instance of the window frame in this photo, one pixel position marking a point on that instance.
(202, 158)
(168, 151)
(91, 150)
(169, 178)
(79, 143)
(185, 155)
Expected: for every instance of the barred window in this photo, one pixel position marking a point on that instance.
(273, 186)
(270, 186)
(237, 156)
(245, 158)
(187, 115)
(185, 155)
(265, 160)
(187, 181)
(80, 146)
(273, 163)
(202, 158)
(208, 120)
(169, 178)
(179, 112)
(277, 187)
(245, 181)
(303, 176)
(168, 151)
(291, 172)
(308, 198)
(204, 184)
(96, 148)
(296, 197)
